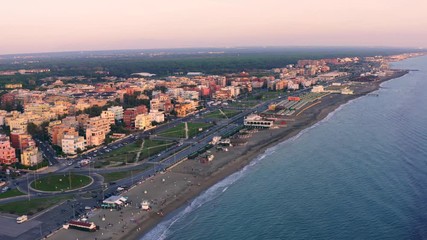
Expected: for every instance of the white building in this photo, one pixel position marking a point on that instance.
(142, 121)
(346, 91)
(318, 89)
(254, 120)
(293, 86)
(190, 95)
(71, 143)
(156, 116)
(118, 112)
(175, 92)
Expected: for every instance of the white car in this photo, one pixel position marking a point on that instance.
(21, 219)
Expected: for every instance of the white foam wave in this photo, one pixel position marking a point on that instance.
(162, 230)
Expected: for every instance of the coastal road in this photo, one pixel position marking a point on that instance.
(97, 191)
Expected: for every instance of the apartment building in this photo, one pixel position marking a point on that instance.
(130, 114)
(37, 108)
(31, 156)
(7, 152)
(156, 116)
(21, 140)
(108, 115)
(142, 121)
(19, 124)
(57, 133)
(98, 123)
(97, 129)
(118, 112)
(94, 136)
(184, 109)
(71, 144)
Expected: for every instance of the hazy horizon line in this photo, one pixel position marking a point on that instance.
(216, 47)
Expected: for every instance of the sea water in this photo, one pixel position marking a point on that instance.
(361, 173)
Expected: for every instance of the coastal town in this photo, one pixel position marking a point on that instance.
(110, 157)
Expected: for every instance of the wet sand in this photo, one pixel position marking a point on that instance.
(182, 183)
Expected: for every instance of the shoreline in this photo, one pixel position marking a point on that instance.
(248, 157)
(190, 179)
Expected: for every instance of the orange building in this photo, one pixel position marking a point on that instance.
(57, 132)
(7, 152)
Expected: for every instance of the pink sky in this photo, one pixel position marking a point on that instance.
(56, 25)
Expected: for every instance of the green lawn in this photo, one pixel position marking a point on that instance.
(119, 156)
(31, 207)
(179, 130)
(125, 149)
(11, 193)
(244, 104)
(114, 176)
(264, 95)
(152, 147)
(127, 154)
(218, 114)
(61, 182)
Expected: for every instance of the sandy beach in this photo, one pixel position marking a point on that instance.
(179, 185)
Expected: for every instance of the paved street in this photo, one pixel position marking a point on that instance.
(48, 221)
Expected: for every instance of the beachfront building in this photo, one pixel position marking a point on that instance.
(254, 120)
(318, 89)
(346, 91)
(114, 202)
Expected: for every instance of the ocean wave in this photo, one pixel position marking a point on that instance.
(162, 230)
(306, 130)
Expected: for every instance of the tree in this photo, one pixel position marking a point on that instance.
(173, 112)
(33, 129)
(93, 111)
(81, 131)
(20, 108)
(39, 132)
(132, 100)
(79, 151)
(163, 89)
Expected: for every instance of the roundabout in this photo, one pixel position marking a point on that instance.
(61, 183)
